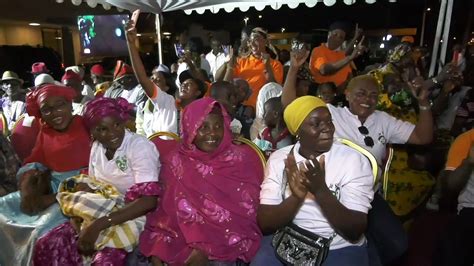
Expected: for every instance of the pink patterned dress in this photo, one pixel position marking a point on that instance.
(210, 199)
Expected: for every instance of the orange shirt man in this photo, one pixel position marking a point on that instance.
(253, 70)
(257, 68)
(328, 62)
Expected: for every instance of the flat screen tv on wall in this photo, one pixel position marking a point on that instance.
(102, 35)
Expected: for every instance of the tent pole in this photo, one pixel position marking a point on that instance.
(447, 26)
(434, 54)
(158, 34)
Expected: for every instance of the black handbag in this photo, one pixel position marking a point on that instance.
(297, 246)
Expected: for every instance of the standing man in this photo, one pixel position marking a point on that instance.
(216, 57)
(329, 62)
(257, 68)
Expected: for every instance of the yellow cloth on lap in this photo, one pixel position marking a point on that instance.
(90, 206)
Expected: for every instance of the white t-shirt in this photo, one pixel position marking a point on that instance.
(164, 116)
(215, 61)
(383, 128)
(78, 108)
(351, 184)
(135, 161)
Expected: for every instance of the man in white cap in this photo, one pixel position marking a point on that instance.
(13, 105)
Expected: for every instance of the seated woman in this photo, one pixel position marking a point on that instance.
(211, 186)
(306, 188)
(123, 159)
(62, 148)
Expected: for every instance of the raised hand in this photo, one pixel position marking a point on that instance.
(298, 57)
(131, 31)
(359, 49)
(419, 91)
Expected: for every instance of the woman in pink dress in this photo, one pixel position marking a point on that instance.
(211, 187)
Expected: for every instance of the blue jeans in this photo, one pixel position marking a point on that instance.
(386, 238)
(352, 255)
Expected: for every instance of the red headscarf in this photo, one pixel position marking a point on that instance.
(102, 107)
(122, 69)
(71, 75)
(36, 97)
(210, 200)
(98, 70)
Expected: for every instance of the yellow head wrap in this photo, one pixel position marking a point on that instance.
(298, 110)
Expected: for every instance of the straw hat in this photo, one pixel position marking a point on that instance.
(10, 75)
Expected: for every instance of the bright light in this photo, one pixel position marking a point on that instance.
(441, 41)
(389, 36)
(454, 38)
(139, 34)
(87, 51)
(428, 9)
(283, 29)
(58, 38)
(118, 32)
(383, 39)
(166, 33)
(246, 19)
(260, 16)
(382, 45)
(34, 24)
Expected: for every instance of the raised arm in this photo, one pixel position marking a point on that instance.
(328, 69)
(137, 64)
(226, 71)
(297, 59)
(423, 132)
(350, 46)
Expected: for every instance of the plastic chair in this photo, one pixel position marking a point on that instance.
(255, 148)
(3, 124)
(23, 138)
(366, 153)
(164, 145)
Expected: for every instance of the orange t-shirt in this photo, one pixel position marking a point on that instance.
(252, 69)
(459, 150)
(322, 55)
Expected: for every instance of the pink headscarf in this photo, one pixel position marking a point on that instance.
(210, 200)
(103, 107)
(39, 95)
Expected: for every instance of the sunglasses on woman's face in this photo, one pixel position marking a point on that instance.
(367, 139)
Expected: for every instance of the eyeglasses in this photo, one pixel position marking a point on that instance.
(367, 139)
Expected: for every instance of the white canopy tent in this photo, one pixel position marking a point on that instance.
(214, 6)
(158, 6)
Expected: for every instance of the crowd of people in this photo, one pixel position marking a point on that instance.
(95, 189)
